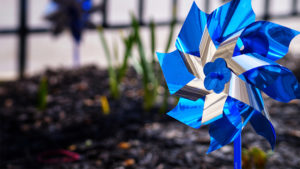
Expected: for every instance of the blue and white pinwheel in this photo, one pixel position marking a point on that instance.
(71, 14)
(222, 64)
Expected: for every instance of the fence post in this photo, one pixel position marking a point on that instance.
(175, 10)
(141, 12)
(104, 14)
(294, 7)
(23, 32)
(267, 10)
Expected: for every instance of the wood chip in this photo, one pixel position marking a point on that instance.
(129, 162)
(124, 145)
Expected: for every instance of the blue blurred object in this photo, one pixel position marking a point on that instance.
(79, 20)
(70, 14)
(244, 54)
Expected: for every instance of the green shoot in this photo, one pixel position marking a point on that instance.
(128, 48)
(149, 80)
(113, 83)
(153, 40)
(42, 94)
(254, 157)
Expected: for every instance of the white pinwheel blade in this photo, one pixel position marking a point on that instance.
(207, 48)
(213, 107)
(244, 92)
(193, 90)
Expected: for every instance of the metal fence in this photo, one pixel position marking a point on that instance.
(23, 30)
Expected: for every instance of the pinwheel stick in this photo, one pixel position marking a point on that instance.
(76, 54)
(238, 152)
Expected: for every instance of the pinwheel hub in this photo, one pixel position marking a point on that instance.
(217, 74)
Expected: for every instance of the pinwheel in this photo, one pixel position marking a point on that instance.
(71, 14)
(222, 64)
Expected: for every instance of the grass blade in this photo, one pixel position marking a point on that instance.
(113, 83)
(153, 40)
(128, 49)
(42, 94)
(149, 80)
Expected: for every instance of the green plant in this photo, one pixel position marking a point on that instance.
(150, 83)
(116, 72)
(128, 42)
(152, 74)
(153, 40)
(112, 72)
(42, 94)
(149, 70)
(254, 157)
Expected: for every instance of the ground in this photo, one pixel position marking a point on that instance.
(128, 137)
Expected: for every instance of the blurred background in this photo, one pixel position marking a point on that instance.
(99, 101)
(41, 55)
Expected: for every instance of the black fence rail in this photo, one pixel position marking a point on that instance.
(23, 30)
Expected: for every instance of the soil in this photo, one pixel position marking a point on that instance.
(128, 137)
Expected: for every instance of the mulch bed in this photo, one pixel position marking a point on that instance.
(128, 137)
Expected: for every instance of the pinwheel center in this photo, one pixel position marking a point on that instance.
(215, 75)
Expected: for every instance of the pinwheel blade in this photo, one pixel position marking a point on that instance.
(213, 107)
(245, 93)
(245, 62)
(267, 39)
(174, 70)
(229, 127)
(276, 81)
(226, 129)
(263, 127)
(191, 32)
(228, 19)
(188, 112)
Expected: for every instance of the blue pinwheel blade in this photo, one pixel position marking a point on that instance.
(259, 122)
(267, 39)
(228, 19)
(263, 127)
(188, 112)
(174, 70)
(276, 81)
(226, 129)
(189, 38)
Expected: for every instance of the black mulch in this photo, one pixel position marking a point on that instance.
(129, 137)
